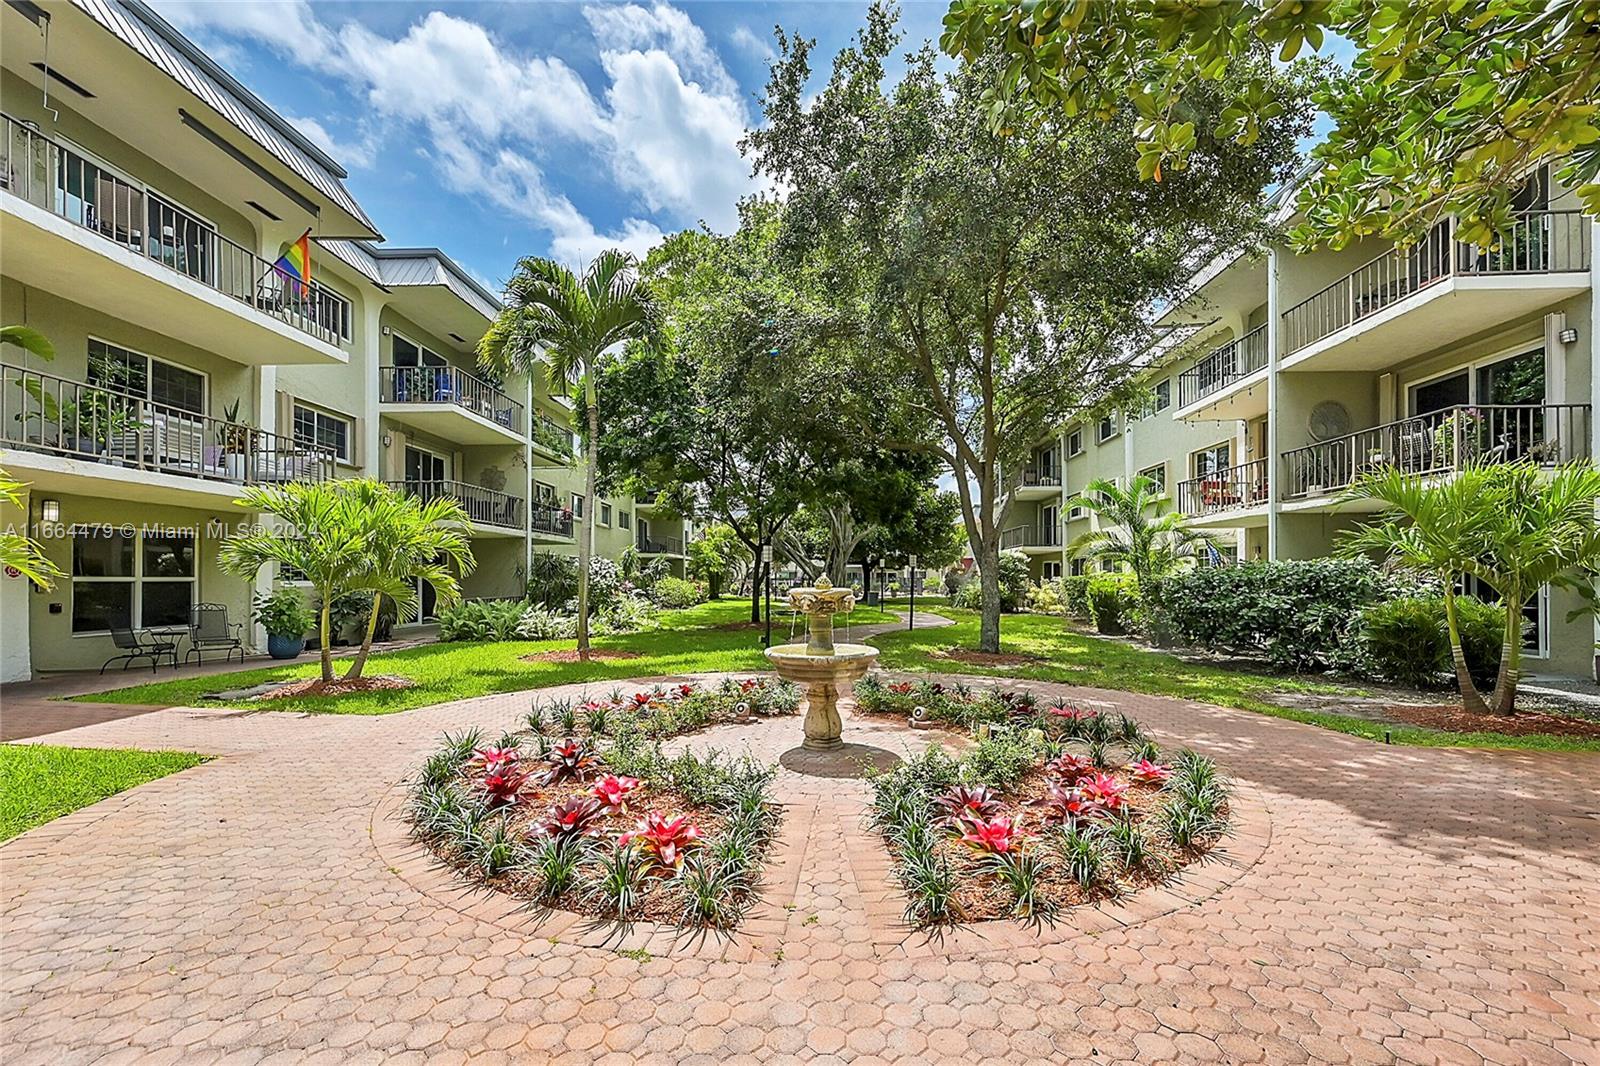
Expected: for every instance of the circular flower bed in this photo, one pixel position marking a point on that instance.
(1056, 806)
(581, 811)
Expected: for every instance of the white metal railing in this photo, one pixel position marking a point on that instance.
(1441, 442)
(1035, 478)
(1539, 242)
(485, 507)
(41, 412)
(1220, 491)
(1234, 361)
(550, 519)
(448, 385)
(53, 177)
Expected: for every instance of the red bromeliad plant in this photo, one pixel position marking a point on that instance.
(963, 803)
(999, 836)
(1105, 791)
(490, 756)
(902, 688)
(1149, 773)
(612, 791)
(1066, 806)
(1068, 768)
(664, 840)
(503, 781)
(683, 692)
(641, 701)
(572, 759)
(577, 817)
(1066, 710)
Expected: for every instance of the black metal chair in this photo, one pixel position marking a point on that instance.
(137, 644)
(209, 630)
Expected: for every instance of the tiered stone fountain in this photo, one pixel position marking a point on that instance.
(819, 664)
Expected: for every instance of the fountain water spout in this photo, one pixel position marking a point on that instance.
(819, 664)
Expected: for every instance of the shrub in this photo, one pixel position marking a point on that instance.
(1014, 585)
(1045, 598)
(541, 623)
(954, 579)
(1406, 640)
(1112, 600)
(284, 613)
(1075, 596)
(552, 580)
(675, 592)
(481, 620)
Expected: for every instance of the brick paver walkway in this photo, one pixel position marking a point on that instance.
(1381, 905)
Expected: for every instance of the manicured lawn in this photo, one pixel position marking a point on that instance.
(700, 639)
(1076, 659)
(40, 782)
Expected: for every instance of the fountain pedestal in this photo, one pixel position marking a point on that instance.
(820, 665)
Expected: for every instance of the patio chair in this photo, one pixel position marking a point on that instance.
(140, 645)
(209, 630)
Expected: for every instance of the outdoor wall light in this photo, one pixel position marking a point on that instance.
(1568, 335)
(49, 510)
(388, 441)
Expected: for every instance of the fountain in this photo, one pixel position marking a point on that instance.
(819, 664)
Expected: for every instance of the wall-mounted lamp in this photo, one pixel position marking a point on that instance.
(49, 510)
(385, 331)
(388, 441)
(1568, 335)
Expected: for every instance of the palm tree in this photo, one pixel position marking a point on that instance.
(1149, 544)
(19, 551)
(406, 539)
(1428, 527)
(321, 536)
(569, 323)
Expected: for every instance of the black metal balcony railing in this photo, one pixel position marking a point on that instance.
(44, 413)
(1540, 242)
(1030, 537)
(1032, 478)
(1441, 442)
(1232, 362)
(53, 177)
(484, 507)
(660, 545)
(550, 520)
(552, 437)
(1232, 489)
(448, 385)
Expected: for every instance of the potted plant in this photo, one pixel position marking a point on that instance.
(237, 441)
(285, 617)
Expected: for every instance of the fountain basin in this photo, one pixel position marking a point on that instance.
(822, 674)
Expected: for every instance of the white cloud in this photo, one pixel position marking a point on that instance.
(288, 27)
(750, 41)
(357, 153)
(632, 28)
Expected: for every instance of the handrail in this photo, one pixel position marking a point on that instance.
(45, 413)
(448, 385)
(1222, 366)
(660, 545)
(1030, 537)
(54, 178)
(1032, 478)
(549, 519)
(551, 436)
(484, 506)
(1441, 442)
(1232, 489)
(1539, 242)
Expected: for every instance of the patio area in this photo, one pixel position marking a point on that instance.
(1376, 904)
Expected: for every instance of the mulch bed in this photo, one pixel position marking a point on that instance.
(571, 656)
(974, 657)
(337, 687)
(1452, 719)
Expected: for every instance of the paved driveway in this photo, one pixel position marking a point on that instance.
(1380, 905)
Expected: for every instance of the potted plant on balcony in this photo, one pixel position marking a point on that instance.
(239, 439)
(285, 617)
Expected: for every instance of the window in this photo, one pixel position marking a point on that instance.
(408, 353)
(1076, 510)
(624, 519)
(1107, 566)
(132, 579)
(1212, 461)
(1051, 571)
(1075, 443)
(577, 506)
(1077, 567)
(318, 428)
(544, 492)
(1158, 478)
(605, 514)
(1106, 429)
(146, 378)
(1163, 391)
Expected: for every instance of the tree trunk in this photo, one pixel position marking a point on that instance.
(324, 637)
(360, 662)
(866, 577)
(591, 455)
(757, 582)
(1471, 699)
(989, 581)
(713, 585)
(1504, 700)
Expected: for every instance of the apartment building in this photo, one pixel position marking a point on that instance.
(144, 197)
(1283, 377)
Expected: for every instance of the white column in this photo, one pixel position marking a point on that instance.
(1593, 342)
(527, 484)
(1274, 452)
(368, 348)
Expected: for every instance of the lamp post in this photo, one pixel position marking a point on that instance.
(911, 615)
(766, 565)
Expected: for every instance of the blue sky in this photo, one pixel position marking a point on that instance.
(497, 130)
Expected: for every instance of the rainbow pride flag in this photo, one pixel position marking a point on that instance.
(294, 264)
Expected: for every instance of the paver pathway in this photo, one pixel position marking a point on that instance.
(1408, 905)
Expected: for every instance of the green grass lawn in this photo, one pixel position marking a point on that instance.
(39, 782)
(695, 640)
(1077, 659)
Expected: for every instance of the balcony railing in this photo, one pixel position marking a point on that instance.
(1232, 489)
(1234, 361)
(54, 178)
(43, 413)
(484, 507)
(660, 545)
(448, 385)
(1441, 442)
(1540, 242)
(552, 437)
(551, 520)
(1032, 478)
(1030, 537)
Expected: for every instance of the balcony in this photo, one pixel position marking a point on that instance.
(1208, 387)
(74, 228)
(550, 522)
(69, 436)
(1030, 538)
(1437, 292)
(491, 512)
(1439, 443)
(552, 439)
(450, 403)
(659, 545)
(1234, 496)
(1039, 483)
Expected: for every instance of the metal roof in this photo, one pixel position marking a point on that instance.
(396, 268)
(148, 34)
